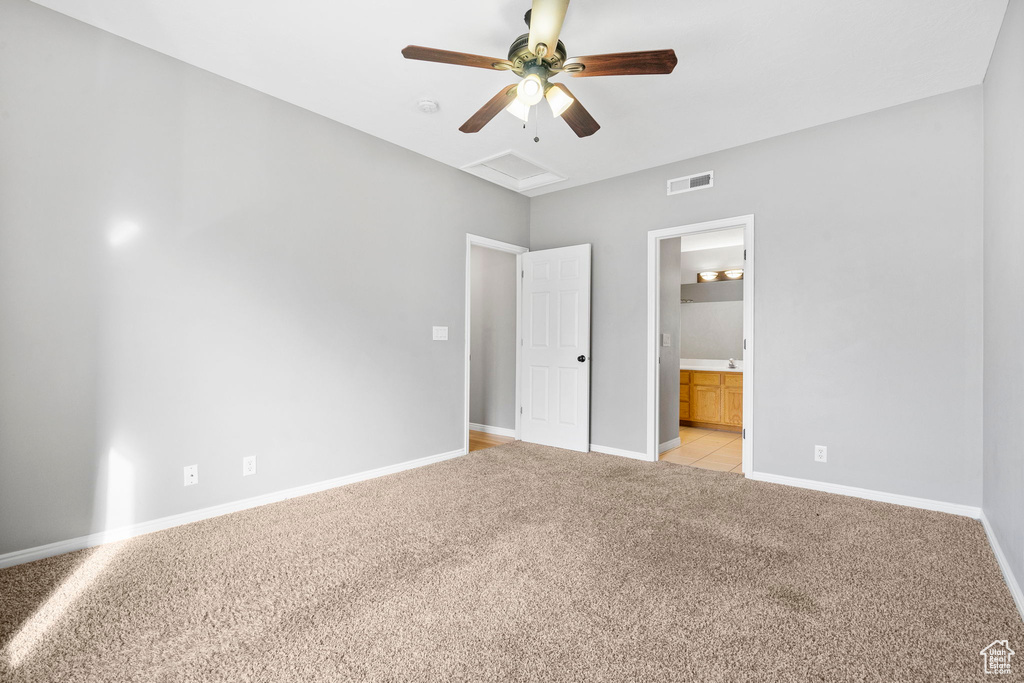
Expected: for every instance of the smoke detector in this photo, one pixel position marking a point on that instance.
(427, 105)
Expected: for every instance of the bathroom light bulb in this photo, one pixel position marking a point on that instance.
(709, 275)
(734, 273)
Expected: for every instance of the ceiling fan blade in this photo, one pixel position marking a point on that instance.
(489, 110)
(546, 19)
(624, 63)
(429, 54)
(578, 118)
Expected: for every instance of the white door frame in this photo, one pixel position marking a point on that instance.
(653, 324)
(476, 240)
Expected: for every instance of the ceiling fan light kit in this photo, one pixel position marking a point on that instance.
(532, 59)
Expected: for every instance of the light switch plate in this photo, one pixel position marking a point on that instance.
(666, 339)
(440, 333)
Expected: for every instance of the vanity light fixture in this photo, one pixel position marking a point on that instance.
(719, 275)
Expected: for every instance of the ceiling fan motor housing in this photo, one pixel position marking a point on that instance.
(520, 55)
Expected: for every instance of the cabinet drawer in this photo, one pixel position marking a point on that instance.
(684, 410)
(708, 379)
(733, 379)
(684, 376)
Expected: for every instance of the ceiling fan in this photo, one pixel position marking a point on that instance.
(537, 56)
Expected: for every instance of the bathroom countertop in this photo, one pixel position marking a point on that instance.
(709, 365)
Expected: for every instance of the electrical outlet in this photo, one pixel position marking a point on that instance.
(248, 465)
(440, 333)
(666, 339)
(820, 454)
(191, 475)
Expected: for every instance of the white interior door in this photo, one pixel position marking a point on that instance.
(556, 347)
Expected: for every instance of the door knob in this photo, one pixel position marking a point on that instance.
(581, 358)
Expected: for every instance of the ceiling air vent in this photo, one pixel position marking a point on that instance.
(698, 181)
(513, 171)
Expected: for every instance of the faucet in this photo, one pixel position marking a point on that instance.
(732, 363)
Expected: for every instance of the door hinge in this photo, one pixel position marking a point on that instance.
(744, 254)
(744, 344)
(522, 273)
(744, 433)
(520, 410)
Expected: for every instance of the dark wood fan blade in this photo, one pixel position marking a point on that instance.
(578, 118)
(624, 63)
(546, 19)
(429, 54)
(489, 110)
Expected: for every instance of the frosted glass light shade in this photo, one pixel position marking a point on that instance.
(558, 100)
(530, 90)
(519, 110)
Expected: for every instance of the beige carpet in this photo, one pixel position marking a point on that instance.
(524, 563)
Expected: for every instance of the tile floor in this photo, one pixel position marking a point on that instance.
(708, 449)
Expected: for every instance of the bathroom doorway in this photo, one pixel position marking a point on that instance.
(700, 306)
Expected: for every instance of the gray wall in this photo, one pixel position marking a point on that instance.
(276, 301)
(668, 356)
(881, 359)
(492, 385)
(712, 329)
(1004, 290)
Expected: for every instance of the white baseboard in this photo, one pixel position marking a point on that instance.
(669, 445)
(488, 429)
(869, 494)
(1011, 580)
(99, 538)
(636, 455)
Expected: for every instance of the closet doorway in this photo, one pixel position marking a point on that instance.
(492, 351)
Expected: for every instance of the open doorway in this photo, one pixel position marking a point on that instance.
(492, 354)
(700, 336)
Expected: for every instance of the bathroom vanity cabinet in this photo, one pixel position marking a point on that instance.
(711, 399)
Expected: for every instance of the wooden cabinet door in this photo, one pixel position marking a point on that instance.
(684, 394)
(732, 406)
(705, 403)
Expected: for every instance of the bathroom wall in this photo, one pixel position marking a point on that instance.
(712, 329)
(668, 366)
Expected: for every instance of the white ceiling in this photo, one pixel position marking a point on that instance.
(748, 69)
